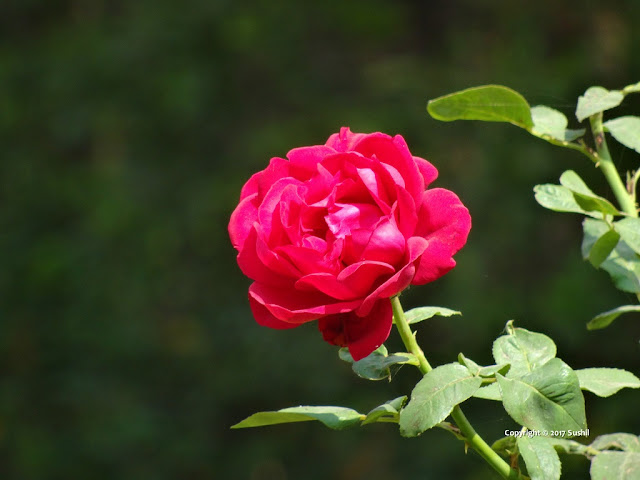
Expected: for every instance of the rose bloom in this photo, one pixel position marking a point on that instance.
(335, 230)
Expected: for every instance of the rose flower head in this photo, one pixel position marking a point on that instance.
(335, 230)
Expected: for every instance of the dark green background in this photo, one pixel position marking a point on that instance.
(127, 129)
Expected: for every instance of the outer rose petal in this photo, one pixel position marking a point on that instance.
(242, 220)
(296, 306)
(445, 223)
(361, 334)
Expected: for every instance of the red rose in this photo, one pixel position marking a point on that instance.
(337, 229)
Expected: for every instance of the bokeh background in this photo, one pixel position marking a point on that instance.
(127, 348)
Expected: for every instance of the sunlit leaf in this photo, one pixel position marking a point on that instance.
(523, 350)
(606, 318)
(604, 382)
(618, 441)
(626, 130)
(548, 121)
(597, 99)
(388, 411)
(434, 397)
(419, 314)
(583, 195)
(629, 230)
(491, 103)
(603, 247)
(377, 365)
(548, 398)
(489, 392)
(623, 264)
(615, 465)
(540, 457)
(333, 417)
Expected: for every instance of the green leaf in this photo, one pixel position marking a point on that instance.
(548, 398)
(419, 314)
(376, 366)
(604, 382)
(629, 230)
(540, 457)
(597, 99)
(567, 447)
(605, 319)
(434, 397)
(623, 264)
(603, 247)
(626, 130)
(615, 465)
(561, 199)
(485, 372)
(333, 417)
(524, 350)
(505, 446)
(386, 412)
(548, 121)
(490, 392)
(491, 103)
(619, 441)
(583, 195)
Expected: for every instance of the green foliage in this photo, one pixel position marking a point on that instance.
(603, 247)
(604, 382)
(573, 196)
(626, 130)
(525, 351)
(336, 418)
(378, 365)
(618, 457)
(596, 100)
(548, 121)
(548, 398)
(622, 264)
(606, 318)
(419, 314)
(490, 103)
(540, 457)
(387, 412)
(434, 397)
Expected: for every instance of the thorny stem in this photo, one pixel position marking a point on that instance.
(466, 429)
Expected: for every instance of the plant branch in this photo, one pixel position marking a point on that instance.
(471, 437)
(625, 200)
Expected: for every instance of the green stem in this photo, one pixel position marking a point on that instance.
(471, 436)
(625, 200)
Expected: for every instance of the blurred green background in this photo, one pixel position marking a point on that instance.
(127, 347)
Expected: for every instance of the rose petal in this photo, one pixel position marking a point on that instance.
(254, 268)
(361, 334)
(355, 281)
(400, 280)
(242, 219)
(305, 160)
(265, 318)
(298, 306)
(345, 140)
(445, 223)
(428, 171)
